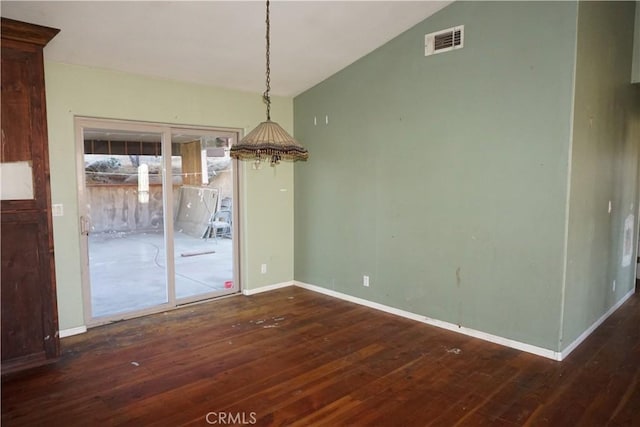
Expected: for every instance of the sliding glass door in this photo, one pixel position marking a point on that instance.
(157, 216)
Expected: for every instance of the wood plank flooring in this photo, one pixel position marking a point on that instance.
(293, 357)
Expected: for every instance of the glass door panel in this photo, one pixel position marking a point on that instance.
(124, 222)
(203, 191)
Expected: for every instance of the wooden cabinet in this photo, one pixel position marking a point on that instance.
(28, 292)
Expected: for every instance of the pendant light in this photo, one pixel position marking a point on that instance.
(268, 139)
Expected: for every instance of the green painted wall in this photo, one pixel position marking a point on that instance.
(267, 198)
(604, 165)
(444, 178)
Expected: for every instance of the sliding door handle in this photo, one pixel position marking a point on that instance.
(84, 225)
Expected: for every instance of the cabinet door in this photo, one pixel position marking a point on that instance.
(29, 332)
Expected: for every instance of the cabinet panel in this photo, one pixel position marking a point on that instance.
(22, 295)
(17, 87)
(23, 116)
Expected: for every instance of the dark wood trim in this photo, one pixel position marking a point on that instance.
(25, 32)
(26, 362)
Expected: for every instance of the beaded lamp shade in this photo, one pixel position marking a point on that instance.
(269, 140)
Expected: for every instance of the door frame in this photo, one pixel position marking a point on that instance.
(165, 129)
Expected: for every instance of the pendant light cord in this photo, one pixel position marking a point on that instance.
(265, 95)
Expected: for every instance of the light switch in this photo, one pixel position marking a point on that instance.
(57, 209)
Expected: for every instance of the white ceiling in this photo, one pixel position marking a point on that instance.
(221, 43)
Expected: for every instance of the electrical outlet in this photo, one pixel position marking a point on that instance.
(365, 281)
(263, 269)
(613, 287)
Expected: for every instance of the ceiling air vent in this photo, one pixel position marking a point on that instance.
(444, 41)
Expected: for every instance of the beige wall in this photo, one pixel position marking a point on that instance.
(266, 201)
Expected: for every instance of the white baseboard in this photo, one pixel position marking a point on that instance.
(550, 354)
(267, 288)
(72, 331)
(595, 325)
(540, 351)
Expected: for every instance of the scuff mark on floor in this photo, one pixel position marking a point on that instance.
(268, 323)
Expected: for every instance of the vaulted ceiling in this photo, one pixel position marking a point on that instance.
(221, 43)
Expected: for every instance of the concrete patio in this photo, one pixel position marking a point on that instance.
(128, 270)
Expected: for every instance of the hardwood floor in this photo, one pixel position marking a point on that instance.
(294, 357)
